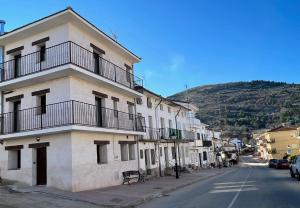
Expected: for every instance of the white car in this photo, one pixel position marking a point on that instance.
(295, 168)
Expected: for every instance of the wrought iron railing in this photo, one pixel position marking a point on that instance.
(169, 133)
(62, 54)
(189, 135)
(151, 133)
(69, 113)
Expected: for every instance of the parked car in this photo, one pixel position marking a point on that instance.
(295, 167)
(272, 163)
(283, 164)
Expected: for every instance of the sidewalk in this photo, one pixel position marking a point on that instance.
(127, 195)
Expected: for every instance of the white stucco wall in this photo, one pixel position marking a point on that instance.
(87, 174)
(59, 161)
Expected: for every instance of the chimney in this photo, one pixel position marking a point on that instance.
(2, 23)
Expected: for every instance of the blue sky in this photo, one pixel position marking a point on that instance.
(190, 42)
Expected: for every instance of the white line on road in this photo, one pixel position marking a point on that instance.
(234, 186)
(234, 182)
(239, 191)
(233, 190)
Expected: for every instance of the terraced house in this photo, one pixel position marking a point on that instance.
(74, 115)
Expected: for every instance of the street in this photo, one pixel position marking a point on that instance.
(251, 185)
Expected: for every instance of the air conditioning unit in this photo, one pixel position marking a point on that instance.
(139, 101)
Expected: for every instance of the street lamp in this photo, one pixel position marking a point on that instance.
(174, 137)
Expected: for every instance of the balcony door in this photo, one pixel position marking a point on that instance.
(99, 111)
(16, 115)
(17, 65)
(151, 132)
(97, 62)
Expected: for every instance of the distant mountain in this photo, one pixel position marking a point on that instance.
(240, 107)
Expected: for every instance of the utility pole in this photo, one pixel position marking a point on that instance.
(176, 164)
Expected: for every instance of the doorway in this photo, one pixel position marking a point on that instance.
(17, 65)
(200, 159)
(41, 166)
(16, 115)
(147, 159)
(99, 111)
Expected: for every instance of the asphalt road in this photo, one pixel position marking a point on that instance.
(253, 185)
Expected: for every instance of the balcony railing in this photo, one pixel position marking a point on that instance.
(169, 133)
(69, 113)
(67, 53)
(151, 133)
(189, 135)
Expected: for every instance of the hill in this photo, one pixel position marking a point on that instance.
(240, 107)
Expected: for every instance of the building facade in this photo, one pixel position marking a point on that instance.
(277, 142)
(74, 115)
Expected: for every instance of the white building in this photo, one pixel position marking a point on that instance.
(75, 117)
(167, 133)
(68, 105)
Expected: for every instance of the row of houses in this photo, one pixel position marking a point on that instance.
(74, 116)
(278, 142)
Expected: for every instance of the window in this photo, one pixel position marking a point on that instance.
(131, 152)
(170, 124)
(160, 151)
(115, 103)
(128, 74)
(173, 153)
(198, 136)
(102, 154)
(169, 109)
(14, 159)
(161, 107)
(124, 152)
(130, 111)
(149, 103)
(162, 122)
(152, 157)
(150, 120)
(141, 154)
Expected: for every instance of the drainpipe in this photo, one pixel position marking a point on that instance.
(158, 142)
(176, 166)
(2, 23)
(137, 138)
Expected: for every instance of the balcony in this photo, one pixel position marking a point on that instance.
(169, 133)
(63, 54)
(189, 135)
(151, 134)
(69, 113)
(207, 143)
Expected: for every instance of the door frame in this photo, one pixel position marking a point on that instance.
(41, 168)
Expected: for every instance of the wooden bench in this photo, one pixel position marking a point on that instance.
(132, 175)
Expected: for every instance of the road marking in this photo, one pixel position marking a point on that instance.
(234, 182)
(236, 186)
(239, 191)
(233, 190)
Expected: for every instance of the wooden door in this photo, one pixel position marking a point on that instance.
(41, 166)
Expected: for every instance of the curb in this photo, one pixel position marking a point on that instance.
(165, 192)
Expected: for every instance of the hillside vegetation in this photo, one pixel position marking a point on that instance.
(239, 107)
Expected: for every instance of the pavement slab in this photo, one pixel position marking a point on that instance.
(117, 196)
